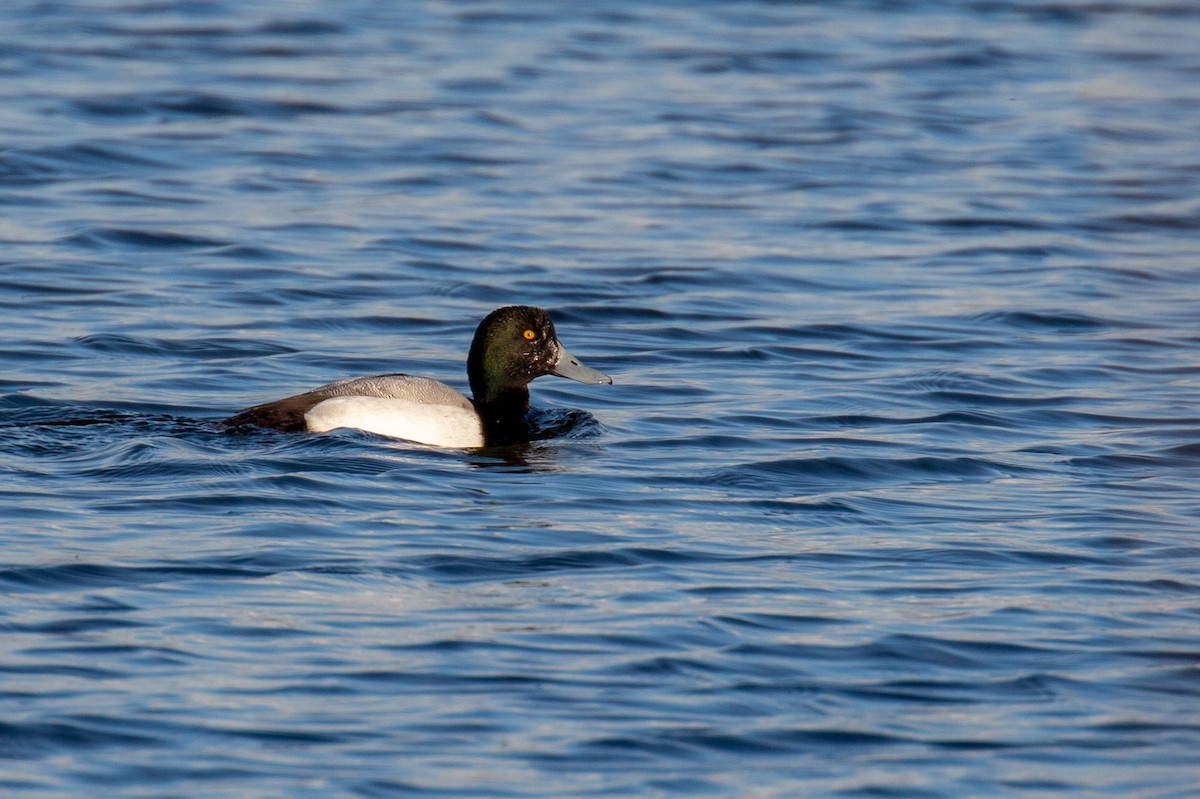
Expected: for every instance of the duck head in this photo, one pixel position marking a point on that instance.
(514, 345)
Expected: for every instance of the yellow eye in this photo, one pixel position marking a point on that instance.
(530, 335)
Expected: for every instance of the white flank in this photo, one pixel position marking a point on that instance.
(437, 425)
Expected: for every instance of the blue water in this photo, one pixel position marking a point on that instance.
(895, 493)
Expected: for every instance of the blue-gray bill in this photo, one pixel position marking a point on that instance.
(569, 366)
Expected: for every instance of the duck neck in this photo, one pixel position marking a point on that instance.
(501, 399)
(503, 415)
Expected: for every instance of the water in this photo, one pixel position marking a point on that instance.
(894, 494)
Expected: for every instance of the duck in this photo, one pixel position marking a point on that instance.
(512, 346)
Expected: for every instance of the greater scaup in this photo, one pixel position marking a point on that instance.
(512, 346)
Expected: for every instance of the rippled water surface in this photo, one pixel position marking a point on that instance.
(895, 493)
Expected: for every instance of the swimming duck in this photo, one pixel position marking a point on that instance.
(512, 346)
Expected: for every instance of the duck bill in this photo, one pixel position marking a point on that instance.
(569, 366)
